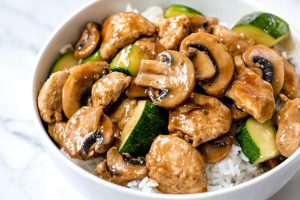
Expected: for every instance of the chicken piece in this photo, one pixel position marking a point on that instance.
(57, 132)
(173, 30)
(151, 46)
(89, 132)
(201, 23)
(252, 94)
(177, 166)
(204, 118)
(122, 112)
(107, 90)
(50, 97)
(236, 43)
(291, 85)
(288, 133)
(118, 170)
(122, 29)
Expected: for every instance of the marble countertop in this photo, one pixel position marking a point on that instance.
(26, 171)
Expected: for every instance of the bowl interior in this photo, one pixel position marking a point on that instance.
(228, 12)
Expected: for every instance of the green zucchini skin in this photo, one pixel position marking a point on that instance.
(152, 122)
(176, 9)
(128, 60)
(250, 149)
(257, 141)
(65, 61)
(264, 28)
(96, 56)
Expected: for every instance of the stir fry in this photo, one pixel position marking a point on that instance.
(163, 100)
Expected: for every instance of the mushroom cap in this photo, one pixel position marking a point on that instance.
(122, 29)
(207, 45)
(117, 170)
(216, 150)
(270, 61)
(88, 41)
(88, 132)
(80, 80)
(172, 73)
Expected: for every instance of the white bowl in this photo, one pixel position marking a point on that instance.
(93, 187)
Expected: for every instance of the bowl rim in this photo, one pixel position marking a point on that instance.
(47, 141)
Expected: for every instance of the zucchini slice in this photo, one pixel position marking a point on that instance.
(264, 28)
(258, 141)
(94, 57)
(128, 60)
(176, 9)
(147, 122)
(66, 61)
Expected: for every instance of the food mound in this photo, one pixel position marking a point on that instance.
(166, 99)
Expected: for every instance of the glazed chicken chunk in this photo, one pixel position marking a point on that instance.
(236, 43)
(173, 30)
(122, 112)
(176, 166)
(291, 85)
(288, 133)
(204, 118)
(107, 90)
(151, 46)
(50, 97)
(252, 94)
(122, 29)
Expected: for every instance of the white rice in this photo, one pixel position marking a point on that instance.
(233, 170)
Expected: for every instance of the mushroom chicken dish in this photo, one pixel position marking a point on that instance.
(165, 99)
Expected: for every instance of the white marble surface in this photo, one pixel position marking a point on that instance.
(26, 171)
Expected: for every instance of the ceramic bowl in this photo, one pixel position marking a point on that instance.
(93, 187)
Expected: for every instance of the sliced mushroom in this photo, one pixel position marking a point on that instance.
(288, 133)
(88, 41)
(176, 166)
(251, 93)
(122, 29)
(57, 132)
(134, 91)
(121, 170)
(236, 43)
(216, 150)
(203, 24)
(291, 85)
(173, 30)
(79, 84)
(271, 63)
(203, 118)
(236, 113)
(107, 90)
(50, 97)
(151, 46)
(172, 73)
(89, 132)
(213, 64)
